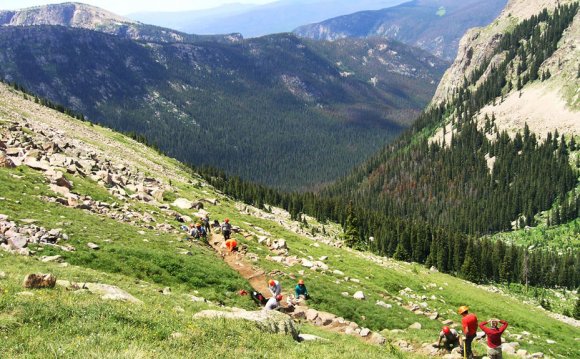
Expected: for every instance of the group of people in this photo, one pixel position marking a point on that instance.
(276, 293)
(450, 338)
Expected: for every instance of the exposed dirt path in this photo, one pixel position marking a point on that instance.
(255, 276)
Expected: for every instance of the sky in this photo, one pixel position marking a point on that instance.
(124, 7)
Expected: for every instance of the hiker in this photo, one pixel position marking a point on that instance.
(301, 290)
(450, 338)
(231, 245)
(226, 229)
(469, 324)
(494, 337)
(206, 223)
(274, 287)
(200, 232)
(216, 224)
(273, 303)
(258, 298)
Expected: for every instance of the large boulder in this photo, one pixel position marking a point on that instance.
(270, 321)
(182, 203)
(39, 280)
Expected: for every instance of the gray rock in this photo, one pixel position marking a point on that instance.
(416, 326)
(359, 295)
(111, 292)
(16, 241)
(537, 355)
(195, 299)
(380, 303)
(434, 316)
(522, 353)
(93, 246)
(270, 321)
(325, 319)
(337, 272)
(364, 332)
(309, 338)
(377, 338)
(37, 165)
(311, 315)
(46, 259)
(182, 203)
(306, 263)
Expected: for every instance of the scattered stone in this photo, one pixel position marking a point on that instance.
(311, 315)
(337, 272)
(182, 203)
(39, 280)
(267, 320)
(176, 335)
(166, 291)
(195, 299)
(111, 292)
(434, 316)
(377, 338)
(433, 269)
(306, 263)
(309, 338)
(46, 259)
(25, 294)
(345, 294)
(522, 353)
(359, 295)
(415, 325)
(323, 258)
(447, 322)
(324, 319)
(380, 303)
(93, 246)
(364, 332)
(537, 355)
(550, 341)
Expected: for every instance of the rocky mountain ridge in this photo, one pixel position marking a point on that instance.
(79, 15)
(435, 26)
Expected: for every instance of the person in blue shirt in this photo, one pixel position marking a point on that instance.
(301, 290)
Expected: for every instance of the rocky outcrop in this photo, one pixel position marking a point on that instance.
(478, 44)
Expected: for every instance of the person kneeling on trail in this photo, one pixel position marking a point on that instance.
(301, 290)
(274, 287)
(226, 229)
(258, 298)
(199, 232)
(494, 337)
(450, 338)
(231, 245)
(273, 303)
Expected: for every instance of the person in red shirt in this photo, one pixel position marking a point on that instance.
(469, 324)
(494, 337)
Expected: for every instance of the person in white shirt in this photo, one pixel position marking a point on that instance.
(273, 303)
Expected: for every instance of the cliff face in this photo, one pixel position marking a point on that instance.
(479, 43)
(93, 18)
(67, 14)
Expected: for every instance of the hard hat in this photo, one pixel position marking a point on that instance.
(446, 330)
(271, 282)
(227, 220)
(279, 297)
(198, 224)
(462, 309)
(301, 281)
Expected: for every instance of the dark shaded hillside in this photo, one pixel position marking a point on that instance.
(274, 109)
(435, 26)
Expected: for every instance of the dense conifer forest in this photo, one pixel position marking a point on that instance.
(429, 203)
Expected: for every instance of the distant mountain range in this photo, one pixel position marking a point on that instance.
(280, 110)
(84, 16)
(433, 25)
(258, 20)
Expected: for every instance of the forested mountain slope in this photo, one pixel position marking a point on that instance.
(435, 26)
(278, 110)
(101, 216)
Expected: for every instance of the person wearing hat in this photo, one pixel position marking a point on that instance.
(273, 303)
(449, 337)
(494, 337)
(232, 245)
(226, 229)
(301, 290)
(274, 287)
(469, 324)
